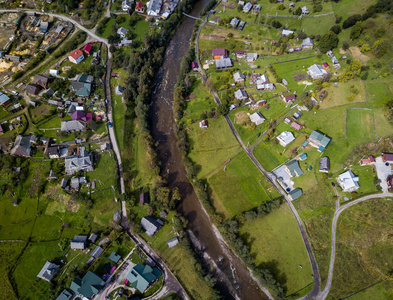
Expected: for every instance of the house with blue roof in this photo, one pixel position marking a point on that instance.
(141, 277)
(89, 286)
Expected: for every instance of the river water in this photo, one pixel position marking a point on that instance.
(234, 279)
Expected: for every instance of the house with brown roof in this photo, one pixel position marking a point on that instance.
(288, 99)
(42, 80)
(296, 126)
(368, 161)
(218, 53)
(387, 157)
(23, 144)
(32, 89)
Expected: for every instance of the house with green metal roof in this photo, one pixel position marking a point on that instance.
(294, 194)
(319, 140)
(293, 168)
(114, 257)
(88, 286)
(141, 277)
(64, 295)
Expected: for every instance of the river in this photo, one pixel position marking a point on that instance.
(234, 279)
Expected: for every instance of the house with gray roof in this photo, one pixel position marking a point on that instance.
(151, 225)
(285, 138)
(4, 99)
(78, 242)
(307, 43)
(48, 271)
(239, 77)
(234, 22)
(82, 161)
(71, 126)
(122, 32)
(223, 63)
(114, 257)
(22, 145)
(154, 7)
(305, 10)
(293, 168)
(316, 71)
(247, 7)
(172, 242)
(119, 90)
(241, 95)
(251, 57)
(97, 252)
(257, 118)
(324, 164)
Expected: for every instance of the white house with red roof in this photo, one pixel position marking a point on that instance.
(76, 56)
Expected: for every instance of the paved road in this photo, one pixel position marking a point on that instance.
(322, 295)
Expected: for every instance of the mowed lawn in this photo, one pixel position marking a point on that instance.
(360, 125)
(237, 187)
(324, 24)
(276, 242)
(383, 126)
(210, 148)
(378, 93)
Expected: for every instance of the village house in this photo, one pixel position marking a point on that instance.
(82, 161)
(144, 199)
(294, 194)
(296, 126)
(297, 115)
(32, 89)
(305, 10)
(247, 7)
(172, 242)
(87, 49)
(141, 277)
(348, 181)
(223, 63)
(151, 225)
(370, 160)
(64, 295)
(48, 271)
(387, 157)
(76, 56)
(203, 124)
(72, 126)
(241, 95)
(219, 53)
(324, 164)
(286, 32)
(325, 65)
(257, 118)
(234, 22)
(42, 80)
(265, 86)
(126, 5)
(257, 8)
(319, 140)
(119, 90)
(316, 71)
(239, 77)
(82, 85)
(288, 99)
(251, 57)
(241, 25)
(4, 99)
(82, 116)
(89, 286)
(293, 168)
(307, 43)
(122, 32)
(22, 145)
(285, 138)
(140, 7)
(154, 7)
(78, 242)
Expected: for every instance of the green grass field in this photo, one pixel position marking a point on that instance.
(383, 127)
(360, 125)
(347, 8)
(273, 241)
(339, 94)
(378, 92)
(362, 249)
(380, 291)
(324, 24)
(210, 148)
(238, 187)
(268, 157)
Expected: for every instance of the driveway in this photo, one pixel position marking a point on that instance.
(287, 181)
(383, 172)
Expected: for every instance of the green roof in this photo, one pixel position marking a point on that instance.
(296, 193)
(142, 276)
(114, 257)
(319, 138)
(88, 286)
(65, 295)
(84, 91)
(294, 169)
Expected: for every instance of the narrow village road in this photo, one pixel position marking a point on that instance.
(322, 295)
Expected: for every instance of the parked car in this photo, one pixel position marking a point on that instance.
(14, 93)
(110, 124)
(333, 184)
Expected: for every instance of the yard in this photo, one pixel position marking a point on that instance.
(210, 148)
(273, 240)
(344, 93)
(237, 185)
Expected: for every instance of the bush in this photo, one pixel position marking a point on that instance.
(336, 29)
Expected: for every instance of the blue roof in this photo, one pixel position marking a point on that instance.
(114, 257)
(305, 144)
(321, 148)
(303, 156)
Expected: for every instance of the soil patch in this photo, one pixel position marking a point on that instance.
(242, 118)
(229, 5)
(212, 37)
(342, 51)
(358, 55)
(215, 18)
(299, 77)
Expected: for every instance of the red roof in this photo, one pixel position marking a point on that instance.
(290, 98)
(87, 48)
(296, 125)
(364, 161)
(139, 5)
(76, 54)
(325, 64)
(219, 52)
